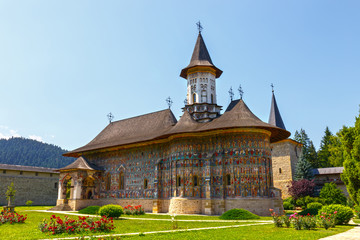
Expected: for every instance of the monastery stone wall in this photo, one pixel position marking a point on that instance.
(41, 189)
(285, 155)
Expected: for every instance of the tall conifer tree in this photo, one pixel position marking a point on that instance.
(303, 169)
(324, 153)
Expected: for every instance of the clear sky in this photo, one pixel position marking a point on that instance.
(64, 65)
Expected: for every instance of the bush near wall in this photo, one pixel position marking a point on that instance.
(315, 205)
(111, 210)
(288, 206)
(343, 213)
(238, 214)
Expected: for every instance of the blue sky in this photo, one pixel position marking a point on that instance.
(64, 65)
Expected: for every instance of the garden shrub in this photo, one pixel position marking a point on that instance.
(238, 214)
(288, 206)
(315, 205)
(343, 213)
(332, 195)
(90, 210)
(111, 210)
(309, 211)
(304, 201)
(357, 211)
(290, 200)
(29, 203)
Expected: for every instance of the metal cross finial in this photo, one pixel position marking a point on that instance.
(200, 28)
(272, 87)
(110, 117)
(169, 102)
(241, 92)
(231, 94)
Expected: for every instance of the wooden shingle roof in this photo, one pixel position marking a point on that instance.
(200, 57)
(162, 124)
(80, 164)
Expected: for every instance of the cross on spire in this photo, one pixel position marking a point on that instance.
(169, 102)
(272, 87)
(231, 94)
(200, 28)
(241, 92)
(110, 117)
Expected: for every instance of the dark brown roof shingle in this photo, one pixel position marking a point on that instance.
(163, 124)
(82, 164)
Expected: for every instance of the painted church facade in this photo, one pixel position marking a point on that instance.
(205, 163)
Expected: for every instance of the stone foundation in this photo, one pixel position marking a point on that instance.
(259, 206)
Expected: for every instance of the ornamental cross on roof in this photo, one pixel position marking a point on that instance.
(241, 92)
(169, 102)
(110, 117)
(272, 87)
(200, 28)
(231, 94)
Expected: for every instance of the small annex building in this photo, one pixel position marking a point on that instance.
(205, 163)
(37, 184)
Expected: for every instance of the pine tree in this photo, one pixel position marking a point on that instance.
(308, 149)
(324, 153)
(303, 169)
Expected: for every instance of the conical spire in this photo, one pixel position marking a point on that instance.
(275, 117)
(200, 57)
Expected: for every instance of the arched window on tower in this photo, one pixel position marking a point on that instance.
(108, 182)
(194, 97)
(212, 99)
(196, 181)
(145, 183)
(121, 181)
(203, 96)
(228, 180)
(178, 181)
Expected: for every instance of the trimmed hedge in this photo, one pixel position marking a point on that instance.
(111, 210)
(90, 210)
(288, 206)
(238, 214)
(343, 213)
(311, 211)
(315, 205)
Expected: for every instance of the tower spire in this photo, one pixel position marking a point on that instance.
(201, 76)
(275, 117)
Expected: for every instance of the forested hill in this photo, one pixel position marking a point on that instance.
(28, 152)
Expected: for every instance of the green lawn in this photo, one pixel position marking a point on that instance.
(263, 232)
(29, 230)
(356, 221)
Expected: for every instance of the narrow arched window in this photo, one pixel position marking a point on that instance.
(279, 170)
(121, 181)
(194, 97)
(196, 181)
(212, 98)
(178, 181)
(108, 182)
(203, 96)
(145, 183)
(228, 179)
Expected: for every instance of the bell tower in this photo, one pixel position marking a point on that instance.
(201, 75)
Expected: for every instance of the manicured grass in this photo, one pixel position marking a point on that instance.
(356, 221)
(29, 230)
(263, 232)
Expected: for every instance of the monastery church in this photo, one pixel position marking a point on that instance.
(204, 163)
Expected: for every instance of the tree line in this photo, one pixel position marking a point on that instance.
(336, 150)
(28, 152)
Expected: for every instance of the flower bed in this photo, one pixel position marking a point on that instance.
(306, 222)
(11, 217)
(56, 225)
(134, 210)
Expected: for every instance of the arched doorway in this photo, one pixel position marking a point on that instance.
(88, 188)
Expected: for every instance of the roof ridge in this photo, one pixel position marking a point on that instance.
(164, 110)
